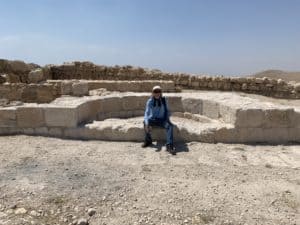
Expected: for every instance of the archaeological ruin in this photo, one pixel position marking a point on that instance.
(82, 100)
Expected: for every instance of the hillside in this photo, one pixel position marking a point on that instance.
(279, 74)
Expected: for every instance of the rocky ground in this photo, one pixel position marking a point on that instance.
(53, 181)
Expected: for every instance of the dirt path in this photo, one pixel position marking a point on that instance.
(54, 181)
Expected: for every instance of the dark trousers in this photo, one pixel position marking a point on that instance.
(160, 123)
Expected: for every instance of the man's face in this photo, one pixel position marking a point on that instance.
(157, 94)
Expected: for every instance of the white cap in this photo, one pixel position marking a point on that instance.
(156, 88)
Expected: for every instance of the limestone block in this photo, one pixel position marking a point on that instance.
(80, 88)
(278, 118)
(276, 135)
(88, 111)
(30, 116)
(55, 132)
(210, 109)
(249, 135)
(175, 104)
(188, 115)
(296, 119)
(66, 87)
(81, 133)
(294, 134)
(136, 113)
(130, 103)
(226, 135)
(249, 118)
(111, 104)
(8, 117)
(42, 131)
(227, 114)
(36, 76)
(45, 94)
(10, 130)
(178, 114)
(192, 105)
(28, 131)
(56, 116)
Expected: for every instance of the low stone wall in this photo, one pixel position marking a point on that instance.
(18, 71)
(249, 123)
(39, 93)
(111, 85)
(263, 86)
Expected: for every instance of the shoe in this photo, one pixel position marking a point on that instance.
(146, 144)
(171, 149)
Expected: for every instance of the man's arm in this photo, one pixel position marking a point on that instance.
(147, 113)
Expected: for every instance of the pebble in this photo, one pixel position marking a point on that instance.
(82, 221)
(91, 212)
(20, 211)
(34, 213)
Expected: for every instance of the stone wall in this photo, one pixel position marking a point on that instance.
(39, 93)
(264, 86)
(18, 71)
(248, 124)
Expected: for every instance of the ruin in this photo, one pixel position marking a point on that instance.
(85, 101)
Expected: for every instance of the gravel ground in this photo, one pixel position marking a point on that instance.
(53, 181)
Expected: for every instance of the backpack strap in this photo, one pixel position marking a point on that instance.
(163, 100)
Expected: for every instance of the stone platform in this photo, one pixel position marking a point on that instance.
(198, 116)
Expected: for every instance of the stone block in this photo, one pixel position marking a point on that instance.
(8, 117)
(192, 105)
(175, 104)
(55, 132)
(130, 103)
(80, 88)
(66, 87)
(227, 114)
(111, 104)
(56, 116)
(249, 118)
(278, 118)
(42, 131)
(36, 76)
(30, 116)
(210, 109)
(88, 111)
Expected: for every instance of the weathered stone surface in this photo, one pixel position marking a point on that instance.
(111, 104)
(30, 116)
(250, 118)
(80, 89)
(8, 117)
(192, 105)
(2, 79)
(88, 111)
(36, 76)
(210, 109)
(61, 116)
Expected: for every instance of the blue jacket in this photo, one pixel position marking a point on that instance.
(156, 109)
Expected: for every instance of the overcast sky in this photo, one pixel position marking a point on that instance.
(224, 37)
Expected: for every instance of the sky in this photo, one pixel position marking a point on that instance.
(216, 37)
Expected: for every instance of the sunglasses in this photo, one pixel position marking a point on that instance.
(157, 91)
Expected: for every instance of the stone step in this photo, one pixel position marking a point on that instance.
(131, 129)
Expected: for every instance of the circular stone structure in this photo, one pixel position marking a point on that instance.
(204, 116)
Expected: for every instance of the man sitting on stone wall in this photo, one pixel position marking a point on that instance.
(158, 114)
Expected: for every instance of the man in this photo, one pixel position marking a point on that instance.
(157, 114)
